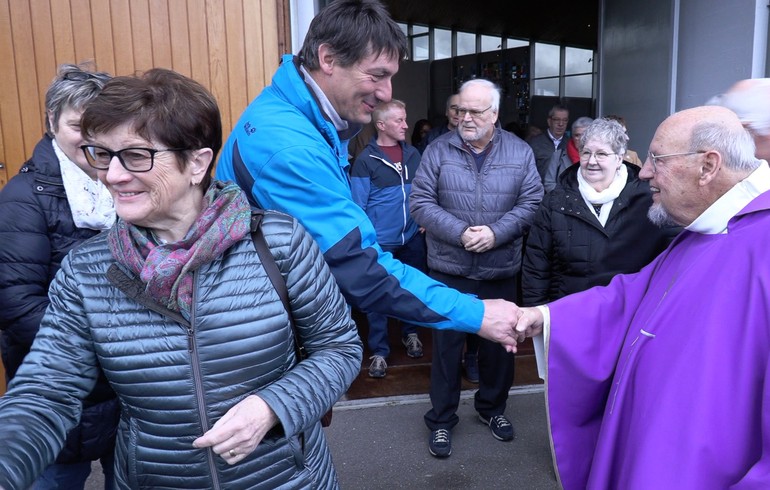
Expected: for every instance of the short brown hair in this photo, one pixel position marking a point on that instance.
(160, 105)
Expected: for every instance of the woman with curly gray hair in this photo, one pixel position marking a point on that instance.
(594, 224)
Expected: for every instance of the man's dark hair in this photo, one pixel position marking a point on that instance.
(354, 29)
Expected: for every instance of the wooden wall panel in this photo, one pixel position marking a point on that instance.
(10, 111)
(232, 47)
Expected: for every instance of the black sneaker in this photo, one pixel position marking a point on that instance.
(501, 427)
(440, 443)
(378, 367)
(413, 345)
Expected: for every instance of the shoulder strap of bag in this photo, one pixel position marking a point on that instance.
(273, 273)
(279, 284)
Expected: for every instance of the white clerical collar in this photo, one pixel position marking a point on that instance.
(326, 106)
(714, 220)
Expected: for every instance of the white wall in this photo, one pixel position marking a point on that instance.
(301, 13)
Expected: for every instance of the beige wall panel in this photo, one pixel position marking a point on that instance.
(10, 115)
(271, 49)
(179, 33)
(199, 41)
(161, 34)
(142, 35)
(82, 30)
(215, 14)
(236, 62)
(122, 37)
(253, 45)
(64, 42)
(104, 45)
(45, 51)
(26, 75)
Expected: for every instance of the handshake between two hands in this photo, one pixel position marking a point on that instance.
(508, 324)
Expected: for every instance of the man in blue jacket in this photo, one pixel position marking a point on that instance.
(289, 152)
(381, 182)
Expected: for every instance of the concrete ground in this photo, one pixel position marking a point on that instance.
(383, 444)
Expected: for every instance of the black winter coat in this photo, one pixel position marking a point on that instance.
(569, 251)
(36, 232)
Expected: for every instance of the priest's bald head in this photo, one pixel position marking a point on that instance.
(750, 99)
(695, 157)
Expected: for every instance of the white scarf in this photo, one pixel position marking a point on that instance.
(89, 200)
(606, 197)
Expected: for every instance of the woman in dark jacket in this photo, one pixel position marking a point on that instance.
(177, 308)
(53, 204)
(594, 224)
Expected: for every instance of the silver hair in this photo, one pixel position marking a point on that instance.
(751, 104)
(494, 91)
(735, 144)
(73, 88)
(581, 122)
(610, 132)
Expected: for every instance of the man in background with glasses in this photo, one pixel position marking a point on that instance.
(662, 378)
(750, 99)
(550, 148)
(475, 193)
(452, 120)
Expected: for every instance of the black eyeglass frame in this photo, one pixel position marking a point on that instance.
(113, 154)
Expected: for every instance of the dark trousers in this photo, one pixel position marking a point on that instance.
(411, 253)
(495, 364)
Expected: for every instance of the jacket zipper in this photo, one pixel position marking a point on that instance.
(197, 384)
(403, 190)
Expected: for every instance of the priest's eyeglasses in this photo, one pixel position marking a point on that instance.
(654, 158)
(133, 159)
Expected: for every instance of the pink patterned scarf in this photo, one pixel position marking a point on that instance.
(167, 268)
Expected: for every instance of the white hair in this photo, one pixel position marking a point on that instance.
(494, 92)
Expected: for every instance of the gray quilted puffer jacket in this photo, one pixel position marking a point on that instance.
(449, 194)
(175, 379)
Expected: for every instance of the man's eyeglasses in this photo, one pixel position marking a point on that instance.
(475, 114)
(654, 158)
(600, 156)
(133, 159)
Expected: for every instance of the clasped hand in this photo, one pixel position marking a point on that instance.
(478, 239)
(506, 323)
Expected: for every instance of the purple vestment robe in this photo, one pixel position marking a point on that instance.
(661, 380)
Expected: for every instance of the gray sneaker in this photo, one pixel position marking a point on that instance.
(378, 367)
(413, 345)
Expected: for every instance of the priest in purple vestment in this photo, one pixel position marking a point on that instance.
(661, 380)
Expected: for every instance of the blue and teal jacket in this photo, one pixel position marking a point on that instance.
(287, 155)
(382, 189)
